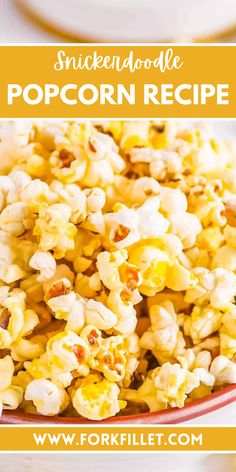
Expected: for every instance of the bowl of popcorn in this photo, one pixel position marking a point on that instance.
(117, 273)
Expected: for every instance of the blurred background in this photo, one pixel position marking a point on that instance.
(117, 20)
(118, 462)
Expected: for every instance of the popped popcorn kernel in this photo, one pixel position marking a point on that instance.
(48, 399)
(98, 401)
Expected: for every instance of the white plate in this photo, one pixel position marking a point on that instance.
(135, 20)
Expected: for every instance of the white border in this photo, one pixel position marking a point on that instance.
(68, 44)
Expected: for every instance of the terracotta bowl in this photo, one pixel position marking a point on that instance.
(192, 410)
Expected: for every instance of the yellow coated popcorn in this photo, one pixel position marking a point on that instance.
(167, 386)
(14, 257)
(216, 286)
(10, 395)
(98, 401)
(65, 352)
(16, 218)
(153, 264)
(203, 322)
(16, 320)
(228, 333)
(54, 230)
(117, 266)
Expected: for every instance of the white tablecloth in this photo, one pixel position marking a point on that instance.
(117, 462)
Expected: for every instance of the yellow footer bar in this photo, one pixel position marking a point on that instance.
(117, 438)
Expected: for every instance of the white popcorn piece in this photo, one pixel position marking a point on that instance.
(45, 263)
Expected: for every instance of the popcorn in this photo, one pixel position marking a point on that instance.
(98, 173)
(229, 235)
(124, 310)
(62, 273)
(10, 395)
(165, 164)
(116, 274)
(228, 333)
(93, 338)
(168, 385)
(45, 263)
(121, 228)
(49, 135)
(163, 337)
(21, 379)
(37, 193)
(112, 356)
(210, 239)
(209, 212)
(135, 134)
(87, 286)
(48, 399)
(136, 191)
(62, 380)
(117, 266)
(203, 322)
(54, 229)
(14, 137)
(7, 371)
(151, 223)
(108, 267)
(99, 316)
(72, 196)
(96, 199)
(203, 360)
(217, 286)
(20, 180)
(186, 226)
(11, 268)
(223, 370)
(6, 185)
(68, 165)
(33, 288)
(24, 349)
(36, 166)
(225, 257)
(127, 226)
(179, 278)
(98, 401)
(173, 201)
(153, 264)
(227, 345)
(16, 320)
(65, 352)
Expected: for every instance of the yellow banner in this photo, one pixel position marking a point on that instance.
(118, 81)
(113, 438)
